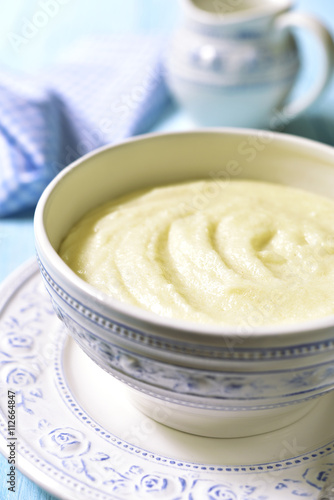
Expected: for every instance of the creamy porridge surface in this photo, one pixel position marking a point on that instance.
(214, 252)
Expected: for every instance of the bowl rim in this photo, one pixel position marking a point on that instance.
(140, 315)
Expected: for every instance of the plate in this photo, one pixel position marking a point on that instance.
(78, 435)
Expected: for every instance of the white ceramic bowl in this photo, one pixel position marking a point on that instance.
(201, 379)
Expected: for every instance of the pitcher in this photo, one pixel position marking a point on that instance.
(235, 62)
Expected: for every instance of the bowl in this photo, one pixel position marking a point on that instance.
(206, 380)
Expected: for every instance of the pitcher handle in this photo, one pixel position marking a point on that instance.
(320, 32)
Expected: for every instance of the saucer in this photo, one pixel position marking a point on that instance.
(78, 435)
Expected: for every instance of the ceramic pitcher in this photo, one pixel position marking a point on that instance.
(235, 62)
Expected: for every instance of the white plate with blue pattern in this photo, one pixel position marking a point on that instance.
(79, 437)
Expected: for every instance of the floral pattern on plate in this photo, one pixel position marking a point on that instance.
(86, 461)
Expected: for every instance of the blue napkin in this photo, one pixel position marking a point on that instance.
(104, 90)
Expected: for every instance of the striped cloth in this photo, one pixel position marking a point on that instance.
(104, 90)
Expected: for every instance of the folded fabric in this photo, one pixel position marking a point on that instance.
(106, 89)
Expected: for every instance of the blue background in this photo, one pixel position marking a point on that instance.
(77, 18)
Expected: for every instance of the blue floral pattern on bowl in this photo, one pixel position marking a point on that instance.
(186, 385)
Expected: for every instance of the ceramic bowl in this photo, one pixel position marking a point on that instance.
(207, 380)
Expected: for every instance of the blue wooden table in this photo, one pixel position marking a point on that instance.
(74, 19)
